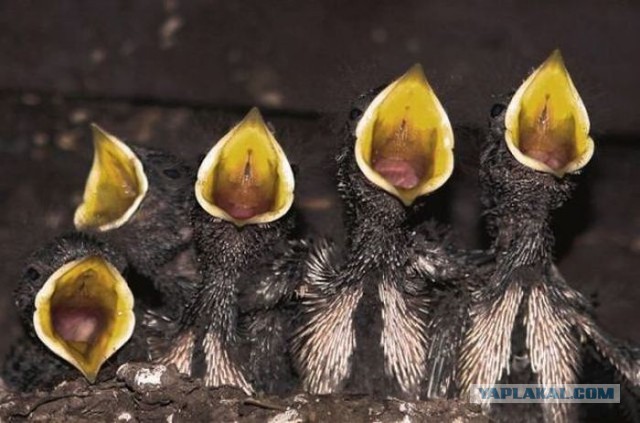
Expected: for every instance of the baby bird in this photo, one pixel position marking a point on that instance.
(138, 200)
(232, 332)
(75, 302)
(385, 315)
(527, 324)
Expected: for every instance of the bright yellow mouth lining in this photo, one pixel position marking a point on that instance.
(404, 141)
(115, 187)
(246, 178)
(547, 123)
(84, 313)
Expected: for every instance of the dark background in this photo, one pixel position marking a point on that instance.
(176, 74)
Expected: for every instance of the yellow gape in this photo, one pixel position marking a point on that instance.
(115, 187)
(404, 141)
(84, 313)
(246, 177)
(547, 126)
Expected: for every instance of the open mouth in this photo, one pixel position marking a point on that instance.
(115, 187)
(547, 126)
(404, 141)
(84, 313)
(246, 177)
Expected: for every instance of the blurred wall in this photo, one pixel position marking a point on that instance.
(315, 55)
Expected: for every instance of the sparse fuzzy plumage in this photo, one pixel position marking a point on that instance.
(160, 228)
(266, 311)
(30, 365)
(227, 332)
(371, 317)
(527, 320)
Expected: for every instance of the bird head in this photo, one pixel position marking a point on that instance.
(115, 187)
(80, 305)
(246, 178)
(403, 139)
(546, 122)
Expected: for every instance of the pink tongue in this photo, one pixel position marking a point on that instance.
(398, 173)
(552, 160)
(241, 213)
(76, 324)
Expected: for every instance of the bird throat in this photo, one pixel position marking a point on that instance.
(548, 140)
(398, 154)
(80, 311)
(79, 324)
(242, 193)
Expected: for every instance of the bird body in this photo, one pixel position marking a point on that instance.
(138, 200)
(527, 324)
(374, 312)
(370, 311)
(77, 311)
(232, 332)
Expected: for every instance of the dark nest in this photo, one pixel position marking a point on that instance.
(156, 393)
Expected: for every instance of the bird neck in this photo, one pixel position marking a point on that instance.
(238, 248)
(518, 203)
(224, 247)
(226, 253)
(376, 225)
(524, 239)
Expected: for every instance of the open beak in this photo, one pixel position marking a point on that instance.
(404, 141)
(547, 126)
(246, 177)
(115, 187)
(84, 313)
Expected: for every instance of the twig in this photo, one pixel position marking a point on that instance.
(263, 404)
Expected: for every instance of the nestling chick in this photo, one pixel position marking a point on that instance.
(242, 222)
(138, 200)
(535, 144)
(383, 316)
(77, 310)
